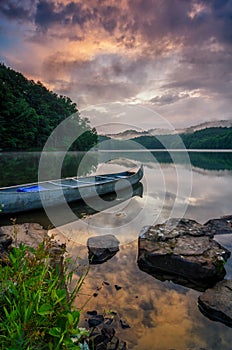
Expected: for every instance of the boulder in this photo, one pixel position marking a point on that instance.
(183, 251)
(102, 248)
(31, 234)
(216, 303)
(220, 226)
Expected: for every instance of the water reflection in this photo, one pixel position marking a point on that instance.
(162, 315)
(22, 167)
(79, 208)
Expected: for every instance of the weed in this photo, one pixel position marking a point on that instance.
(35, 306)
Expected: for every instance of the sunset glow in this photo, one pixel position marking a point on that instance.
(173, 56)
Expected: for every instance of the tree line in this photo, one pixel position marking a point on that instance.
(29, 112)
(210, 138)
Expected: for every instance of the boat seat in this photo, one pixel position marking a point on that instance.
(35, 188)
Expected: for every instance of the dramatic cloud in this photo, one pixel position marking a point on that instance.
(17, 10)
(174, 56)
(168, 98)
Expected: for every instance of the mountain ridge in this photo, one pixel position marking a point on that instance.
(132, 133)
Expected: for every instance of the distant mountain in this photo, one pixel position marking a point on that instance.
(132, 133)
(206, 125)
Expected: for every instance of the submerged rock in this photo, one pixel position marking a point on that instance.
(102, 248)
(216, 303)
(183, 251)
(103, 336)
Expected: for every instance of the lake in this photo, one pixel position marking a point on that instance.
(162, 315)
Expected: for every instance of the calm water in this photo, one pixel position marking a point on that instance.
(162, 315)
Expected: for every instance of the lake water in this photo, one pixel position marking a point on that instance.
(162, 315)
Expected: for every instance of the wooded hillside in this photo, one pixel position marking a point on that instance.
(29, 112)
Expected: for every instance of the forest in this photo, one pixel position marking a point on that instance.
(29, 112)
(209, 138)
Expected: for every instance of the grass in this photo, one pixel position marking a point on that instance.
(36, 309)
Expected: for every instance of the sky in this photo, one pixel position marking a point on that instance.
(141, 63)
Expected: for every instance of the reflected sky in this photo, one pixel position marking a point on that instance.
(162, 315)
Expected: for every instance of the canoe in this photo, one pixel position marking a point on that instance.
(32, 196)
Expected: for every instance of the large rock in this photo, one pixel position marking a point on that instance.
(220, 226)
(216, 303)
(183, 251)
(31, 234)
(102, 248)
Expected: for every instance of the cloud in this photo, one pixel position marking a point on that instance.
(49, 13)
(168, 98)
(106, 77)
(22, 11)
(172, 55)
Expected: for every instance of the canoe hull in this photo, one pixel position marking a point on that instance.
(13, 201)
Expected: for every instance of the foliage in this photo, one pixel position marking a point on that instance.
(210, 138)
(29, 112)
(35, 309)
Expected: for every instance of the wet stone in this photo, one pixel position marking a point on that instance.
(220, 226)
(103, 335)
(102, 248)
(117, 287)
(216, 303)
(92, 313)
(95, 320)
(183, 251)
(124, 324)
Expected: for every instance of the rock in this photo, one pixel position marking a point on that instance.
(216, 303)
(31, 234)
(108, 332)
(103, 336)
(117, 287)
(95, 320)
(106, 283)
(113, 345)
(5, 244)
(5, 240)
(183, 251)
(220, 226)
(124, 324)
(92, 313)
(101, 341)
(102, 248)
